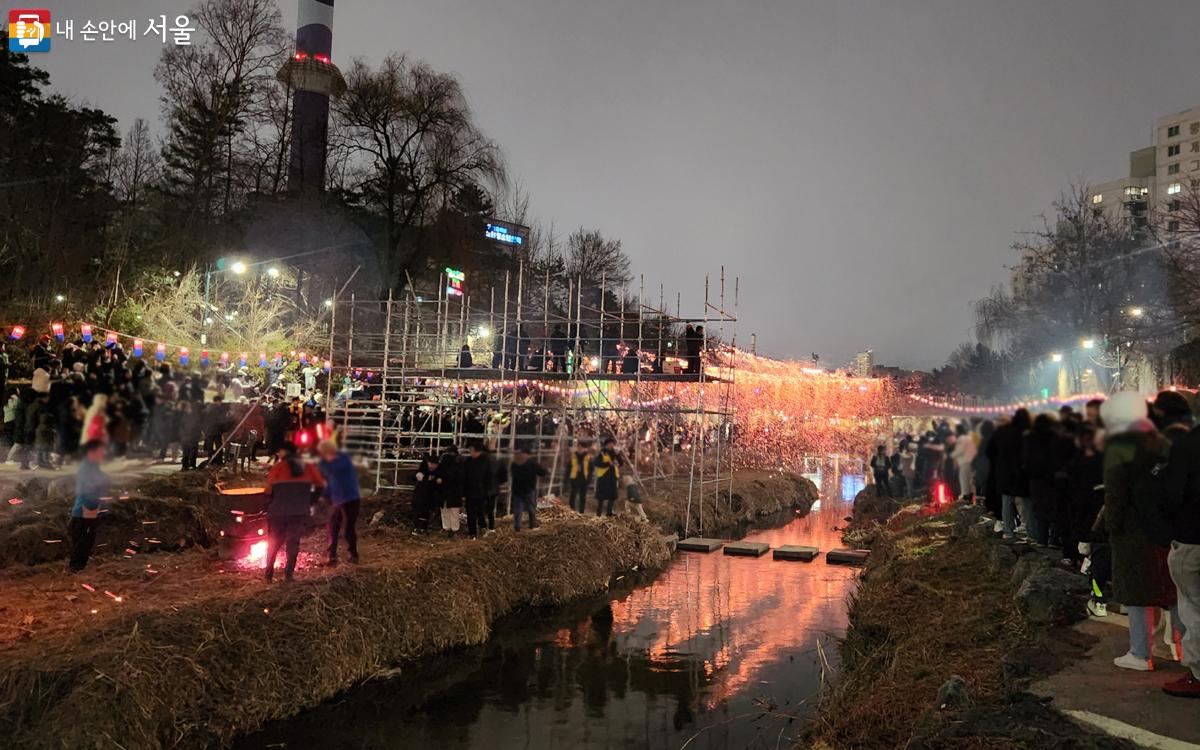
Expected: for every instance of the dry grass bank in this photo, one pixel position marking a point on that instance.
(931, 606)
(754, 494)
(192, 657)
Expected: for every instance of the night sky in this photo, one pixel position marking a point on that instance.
(863, 165)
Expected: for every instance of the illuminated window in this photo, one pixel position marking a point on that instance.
(1173, 131)
(1174, 188)
(1097, 198)
(1173, 168)
(1173, 150)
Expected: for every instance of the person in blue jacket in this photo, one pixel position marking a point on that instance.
(91, 489)
(341, 487)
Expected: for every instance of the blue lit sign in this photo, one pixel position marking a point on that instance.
(505, 235)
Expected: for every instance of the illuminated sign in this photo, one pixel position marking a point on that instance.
(506, 234)
(454, 282)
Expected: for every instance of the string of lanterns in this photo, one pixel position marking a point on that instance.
(1004, 408)
(163, 350)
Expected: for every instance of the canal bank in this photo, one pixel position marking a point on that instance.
(950, 630)
(714, 651)
(183, 651)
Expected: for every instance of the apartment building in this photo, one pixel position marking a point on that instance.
(1159, 175)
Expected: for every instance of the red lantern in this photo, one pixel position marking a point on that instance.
(138, 347)
(17, 332)
(85, 331)
(110, 339)
(57, 330)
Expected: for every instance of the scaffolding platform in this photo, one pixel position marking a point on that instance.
(546, 364)
(494, 375)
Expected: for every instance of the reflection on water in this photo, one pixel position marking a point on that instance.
(716, 652)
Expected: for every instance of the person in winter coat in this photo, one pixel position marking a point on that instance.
(964, 458)
(1181, 513)
(580, 470)
(1135, 459)
(450, 490)
(1005, 456)
(424, 494)
(608, 477)
(188, 427)
(480, 487)
(880, 465)
(91, 489)
(523, 476)
(1086, 493)
(289, 480)
(1038, 453)
(44, 439)
(341, 488)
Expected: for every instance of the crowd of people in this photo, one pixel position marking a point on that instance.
(447, 483)
(82, 391)
(1115, 490)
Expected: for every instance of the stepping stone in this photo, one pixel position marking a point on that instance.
(847, 556)
(699, 544)
(747, 549)
(796, 552)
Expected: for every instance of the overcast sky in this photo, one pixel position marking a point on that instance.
(862, 165)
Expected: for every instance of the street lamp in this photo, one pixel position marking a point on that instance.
(1088, 343)
(59, 298)
(329, 303)
(238, 267)
(1056, 357)
(273, 272)
(1136, 312)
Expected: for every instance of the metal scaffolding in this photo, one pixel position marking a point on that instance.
(543, 362)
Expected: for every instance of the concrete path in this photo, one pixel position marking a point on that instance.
(1120, 702)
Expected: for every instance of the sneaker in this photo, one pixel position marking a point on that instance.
(1185, 687)
(1020, 529)
(998, 527)
(1129, 661)
(1097, 608)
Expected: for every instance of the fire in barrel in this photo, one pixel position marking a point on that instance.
(244, 531)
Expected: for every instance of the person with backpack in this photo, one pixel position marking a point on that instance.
(1135, 461)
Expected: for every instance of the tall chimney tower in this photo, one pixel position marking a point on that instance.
(313, 78)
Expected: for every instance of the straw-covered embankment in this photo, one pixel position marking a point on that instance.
(941, 646)
(235, 653)
(182, 650)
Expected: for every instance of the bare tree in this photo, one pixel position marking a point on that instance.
(137, 165)
(408, 142)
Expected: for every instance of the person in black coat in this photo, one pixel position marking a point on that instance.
(424, 494)
(450, 489)
(1005, 455)
(480, 486)
(1038, 454)
(608, 476)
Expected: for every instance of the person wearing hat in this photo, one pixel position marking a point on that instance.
(1135, 461)
(1181, 512)
(524, 476)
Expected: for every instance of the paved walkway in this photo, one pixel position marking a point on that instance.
(1121, 702)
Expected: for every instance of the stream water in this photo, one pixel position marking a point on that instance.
(714, 652)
